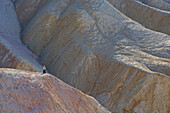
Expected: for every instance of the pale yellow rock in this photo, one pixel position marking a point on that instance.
(25, 92)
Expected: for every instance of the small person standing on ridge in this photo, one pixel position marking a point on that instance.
(44, 69)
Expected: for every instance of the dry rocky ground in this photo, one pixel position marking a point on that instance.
(92, 45)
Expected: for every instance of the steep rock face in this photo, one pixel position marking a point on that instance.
(149, 17)
(25, 92)
(13, 54)
(26, 9)
(93, 47)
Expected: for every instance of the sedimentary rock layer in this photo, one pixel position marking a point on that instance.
(24, 92)
(160, 4)
(27, 9)
(149, 17)
(16, 55)
(13, 54)
(93, 47)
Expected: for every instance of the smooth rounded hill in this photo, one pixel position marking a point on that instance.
(25, 92)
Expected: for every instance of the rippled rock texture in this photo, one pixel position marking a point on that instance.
(13, 54)
(153, 14)
(95, 48)
(23, 92)
(160, 4)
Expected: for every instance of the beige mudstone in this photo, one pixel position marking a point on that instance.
(159, 4)
(16, 55)
(13, 54)
(27, 9)
(25, 92)
(94, 47)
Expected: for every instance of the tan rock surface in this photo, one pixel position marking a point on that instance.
(13, 54)
(26, 92)
(16, 55)
(154, 96)
(149, 17)
(160, 4)
(93, 47)
(128, 89)
(27, 9)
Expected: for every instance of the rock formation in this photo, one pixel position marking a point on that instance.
(26, 9)
(160, 4)
(91, 46)
(95, 48)
(141, 12)
(13, 54)
(23, 92)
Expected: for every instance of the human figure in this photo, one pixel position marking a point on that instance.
(44, 69)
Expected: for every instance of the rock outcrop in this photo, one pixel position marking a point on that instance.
(149, 17)
(25, 92)
(13, 54)
(160, 4)
(27, 9)
(95, 48)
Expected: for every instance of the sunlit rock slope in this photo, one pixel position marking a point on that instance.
(92, 46)
(13, 54)
(25, 92)
(152, 14)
